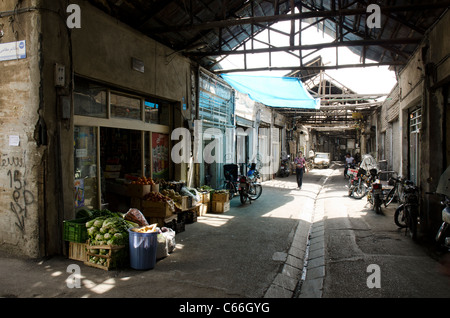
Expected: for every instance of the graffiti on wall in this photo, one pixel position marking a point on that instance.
(21, 198)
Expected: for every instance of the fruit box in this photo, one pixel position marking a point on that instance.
(220, 207)
(138, 190)
(156, 208)
(220, 197)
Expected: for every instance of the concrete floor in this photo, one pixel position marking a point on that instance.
(259, 251)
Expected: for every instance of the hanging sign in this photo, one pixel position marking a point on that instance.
(13, 51)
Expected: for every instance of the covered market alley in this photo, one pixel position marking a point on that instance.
(113, 106)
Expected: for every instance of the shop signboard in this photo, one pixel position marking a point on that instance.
(12, 51)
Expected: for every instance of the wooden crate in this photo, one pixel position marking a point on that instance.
(221, 197)
(156, 209)
(202, 209)
(205, 197)
(117, 256)
(220, 207)
(77, 251)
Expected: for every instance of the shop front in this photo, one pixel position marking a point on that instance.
(118, 137)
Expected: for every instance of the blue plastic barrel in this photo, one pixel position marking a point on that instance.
(143, 250)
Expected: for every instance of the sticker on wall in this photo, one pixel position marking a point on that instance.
(13, 51)
(14, 140)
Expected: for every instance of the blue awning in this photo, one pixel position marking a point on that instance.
(273, 91)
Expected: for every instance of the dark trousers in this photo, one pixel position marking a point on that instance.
(299, 173)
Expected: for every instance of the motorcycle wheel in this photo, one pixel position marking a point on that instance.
(229, 186)
(412, 222)
(441, 234)
(350, 188)
(360, 191)
(377, 204)
(254, 191)
(243, 196)
(399, 217)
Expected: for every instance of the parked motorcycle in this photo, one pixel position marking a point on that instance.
(285, 170)
(443, 188)
(357, 183)
(249, 187)
(374, 190)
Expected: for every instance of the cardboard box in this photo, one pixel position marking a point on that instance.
(205, 197)
(156, 209)
(220, 197)
(220, 207)
(138, 190)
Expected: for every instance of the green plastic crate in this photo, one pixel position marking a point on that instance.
(75, 230)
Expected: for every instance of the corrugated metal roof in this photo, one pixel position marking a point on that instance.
(220, 26)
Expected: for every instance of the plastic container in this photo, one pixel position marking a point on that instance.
(143, 250)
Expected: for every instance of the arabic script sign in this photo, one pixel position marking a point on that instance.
(13, 51)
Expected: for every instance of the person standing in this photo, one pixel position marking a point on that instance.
(299, 162)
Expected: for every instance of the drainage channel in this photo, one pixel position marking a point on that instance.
(310, 284)
(293, 280)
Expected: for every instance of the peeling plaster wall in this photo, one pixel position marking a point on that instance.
(20, 165)
(421, 84)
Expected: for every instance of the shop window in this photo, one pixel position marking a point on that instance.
(90, 99)
(156, 112)
(125, 106)
(85, 161)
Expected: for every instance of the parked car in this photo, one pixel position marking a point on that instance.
(322, 160)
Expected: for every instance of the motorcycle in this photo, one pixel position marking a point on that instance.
(285, 171)
(249, 187)
(443, 188)
(375, 191)
(348, 166)
(356, 183)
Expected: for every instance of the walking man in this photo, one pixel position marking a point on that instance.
(299, 162)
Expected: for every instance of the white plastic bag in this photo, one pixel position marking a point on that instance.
(166, 243)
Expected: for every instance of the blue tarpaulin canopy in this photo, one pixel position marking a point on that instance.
(273, 91)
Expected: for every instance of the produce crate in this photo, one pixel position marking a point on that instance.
(205, 197)
(162, 221)
(77, 251)
(138, 190)
(202, 209)
(156, 209)
(221, 197)
(116, 256)
(191, 216)
(177, 225)
(220, 207)
(75, 230)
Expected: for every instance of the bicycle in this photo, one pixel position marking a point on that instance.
(407, 214)
(396, 192)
